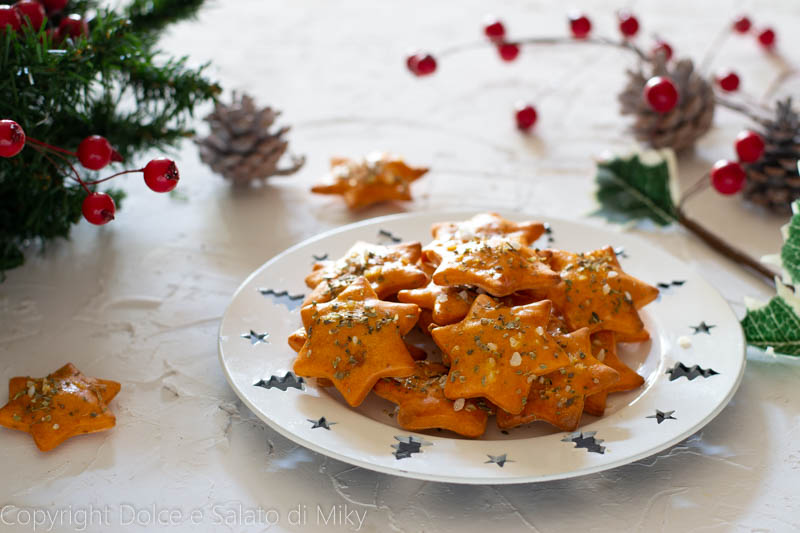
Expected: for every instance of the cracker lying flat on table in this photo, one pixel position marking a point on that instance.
(62, 405)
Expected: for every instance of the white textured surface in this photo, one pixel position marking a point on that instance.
(139, 300)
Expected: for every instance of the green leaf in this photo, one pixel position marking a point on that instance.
(777, 324)
(632, 189)
(790, 253)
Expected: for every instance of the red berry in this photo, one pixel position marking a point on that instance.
(579, 25)
(98, 208)
(508, 51)
(161, 174)
(728, 81)
(749, 146)
(662, 47)
(12, 138)
(526, 116)
(9, 17)
(767, 37)
(421, 64)
(628, 23)
(95, 152)
(55, 5)
(30, 12)
(661, 94)
(742, 24)
(494, 30)
(73, 26)
(727, 177)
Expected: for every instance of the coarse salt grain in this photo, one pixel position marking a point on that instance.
(540, 330)
(613, 274)
(606, 289)
(492, 346)
(601, 355)
(458, 404)
(516, 359)
(684, 342)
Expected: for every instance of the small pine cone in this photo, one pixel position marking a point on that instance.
(686, 123)
(241, 146)
(774, 180)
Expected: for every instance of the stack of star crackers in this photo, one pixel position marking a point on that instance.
(526, 334)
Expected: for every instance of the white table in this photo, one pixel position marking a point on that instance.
(140, 300)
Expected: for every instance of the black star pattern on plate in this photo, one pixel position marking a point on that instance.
(321, 423)
(675, 283)
(388, 235)
(322, 257)
(586, 440)
(289, 381)
(703, 328)
(660, 416)
(689, 372)
(548, 230)
(291, 301)
(408, 445)
(499, 460)
(619, 251)
(256, 338)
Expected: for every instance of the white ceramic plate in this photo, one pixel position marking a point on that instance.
(685, 387)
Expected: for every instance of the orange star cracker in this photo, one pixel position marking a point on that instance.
(497, 351)
(373, 179)
(423, 404)
(62, 405)
(355, 340)
(388, 268)
(604, 348)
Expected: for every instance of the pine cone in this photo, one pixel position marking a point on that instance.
(774, 181)
(687, 122)
(241, 146)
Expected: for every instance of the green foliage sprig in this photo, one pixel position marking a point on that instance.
(114, 83)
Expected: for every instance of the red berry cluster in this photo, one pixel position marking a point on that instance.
(765, 35)
(728, 177)
(34, 13)
(94, 153)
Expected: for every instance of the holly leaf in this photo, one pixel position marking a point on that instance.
(776, 325)
(637, 187)
(790, 253)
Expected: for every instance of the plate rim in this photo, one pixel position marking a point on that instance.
(468, 480)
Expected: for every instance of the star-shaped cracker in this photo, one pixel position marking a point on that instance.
(373, 179)
(596, 293)
(497, 351)
(423, 405)
(62, 405)
(298, 338)
(604, 349)
(355, 340)
(448, 304)
(498, 265)
(558, 397)
(388, 268)
(480, 227)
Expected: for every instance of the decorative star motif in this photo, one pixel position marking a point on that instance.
(321, 423)
(406, 446)
(389, 269)
(290, 301)
(256, 338)
(374, 179)
(667, 285)
(689, 372)
(660, 416)
(499, 460)
(355, 340)
(703, 328)
(62, 405)
(497, 351)
(586, 440)
(389, 235)
(288, 381)
(322, 257)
